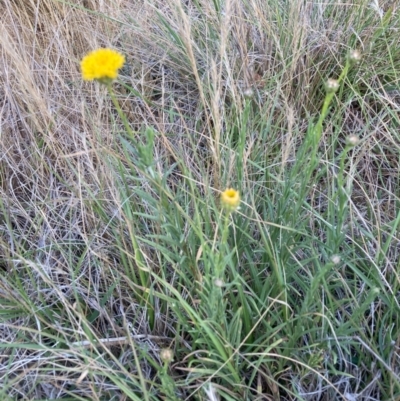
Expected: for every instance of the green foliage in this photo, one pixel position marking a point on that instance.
(295, 296)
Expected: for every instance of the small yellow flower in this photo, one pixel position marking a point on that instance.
(230, 198)
(102, 64)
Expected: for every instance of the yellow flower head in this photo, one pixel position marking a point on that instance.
(101, 64)
(230, 199)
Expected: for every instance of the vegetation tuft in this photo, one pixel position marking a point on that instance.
(215, 216)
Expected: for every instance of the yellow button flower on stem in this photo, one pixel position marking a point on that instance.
(102, 64)
(230, 199)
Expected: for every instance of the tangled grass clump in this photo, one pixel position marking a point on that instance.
(218, 219)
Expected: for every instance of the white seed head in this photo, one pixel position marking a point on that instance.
(335, 259)
(167, 355)
(218, 283)
(332, 85)
(353, 140)
(355, 56)
(248, 93)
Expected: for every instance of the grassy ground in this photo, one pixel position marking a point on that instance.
(121, 275)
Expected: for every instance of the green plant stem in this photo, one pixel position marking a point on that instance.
(317, 131)
(220, 268)
(120, 112)
(138, 257)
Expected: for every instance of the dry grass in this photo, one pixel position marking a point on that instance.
(58, 135)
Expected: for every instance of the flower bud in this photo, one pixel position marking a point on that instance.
(352, 140)
(332, 85)
(230, 199)
(355, 56)
(218, 283)
(248, 93)
(167, 355)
